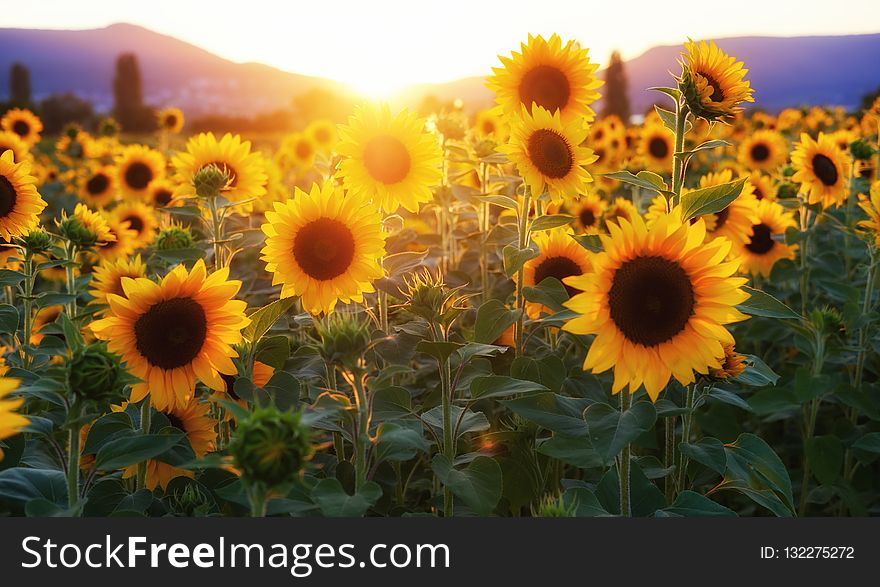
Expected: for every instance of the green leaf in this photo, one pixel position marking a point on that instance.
(10, 277)
(400, 263)
(493, 318)
(440, 350)
(706, 451)
(501, 386)
(515, 258)
(273, 351)
(627, 177)
(20, 485)
(391, 403)
(573, 451)
(470, 421)
(395, 442)
(475, 349)
(503, 201)
(584, 503)
(610, 431)
(175, 256)
(666, 116)
(106, 427)
(825, 455)
(549, 222)
(763, 304)
(128, 450)
(591, 242)
(757, 373)
(711, 200)
(263, 318)
(554, 412)
(550, 293)
(8, 319)
(754, 470)
(707, 146)
(336, 503)
(478, 485)
(692, 504)
(653, 179)
(868, 443)
(673, 93)
(189, 211)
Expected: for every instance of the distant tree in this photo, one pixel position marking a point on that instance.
(616, 96)
(868, 99)
(19, 85)
(128, 94)
(61, 109)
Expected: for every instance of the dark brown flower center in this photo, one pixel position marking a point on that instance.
(170, 121)
(760, 152)
(761, 240)
(587, 217)
(175, 421)
(162, 197)
(721, 218)
(717, 93)
(324, 248)
(825, 169)
(759, 193)
(135, 222)
(21, 128)
(138, 175)
(546, 86)
(8, 196)
(658, 148)
(171, 333)
(387, 159)
(550, 152)
(651, 300)
(229, 380)
(560, 268)
(97, 184)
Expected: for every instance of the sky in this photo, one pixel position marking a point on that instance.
(379, 46)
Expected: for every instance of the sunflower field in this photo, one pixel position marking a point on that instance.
(533, 311)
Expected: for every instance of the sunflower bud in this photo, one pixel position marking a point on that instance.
(95, 374)
(210, 180)
(553, 506)
(75, 231)
(787, 191)
(174, 237)
(428, 297)
(344, 339)
(36, 241)
(712, 82)
(271, 447)
(861, 150)
(451, 125)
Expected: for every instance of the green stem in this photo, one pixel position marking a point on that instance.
(145, 429)
(681, 114)
(810, 421)
(27, 307)
(70, 250)
(804, 217)
(258, 502)
(686, 420)
(362, 440)
(623, 461)
(216, 234)
(448, 430)
(483, 218)
(523, 234)
(73, 467)
(669, 457)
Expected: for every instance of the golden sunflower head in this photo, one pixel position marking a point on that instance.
(300, 150)
(99, 187)
(763, 150)
(822, 169)
(712, 82)
(86, 228)
(324, 246)
(658, 300)
(174, 332)
(122, 244)
(9, 141)
(141, 219)
(736, 220)
(389, 158)
(107, 277)
(247, 178)
(587, 211)
(160, 193)
(490, 124)
(763, 186)
(765, 245)
(138, 166)
(556, 77)
(732, 366)
(170, 120)
(24, 123)
(560, 257)
(656, 147)
(20, 203)
(619, 209)
(870, 205)
(11, 422)
(548, 154)
(322, 133)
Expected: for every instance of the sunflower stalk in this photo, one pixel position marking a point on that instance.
(483, 215)
(523, 234)
(70, 277)
(146, 413)
(624, 460)
(811, 412)
(686, 421)
(27, 307)
(362, 442)
(73, 466)
(216, 234)
(679, 160)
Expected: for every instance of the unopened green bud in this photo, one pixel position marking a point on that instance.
(210, 180)
(174, 237)
(95, 374)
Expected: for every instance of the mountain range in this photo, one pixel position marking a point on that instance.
(784, 71)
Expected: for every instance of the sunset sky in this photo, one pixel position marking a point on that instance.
(381, 45)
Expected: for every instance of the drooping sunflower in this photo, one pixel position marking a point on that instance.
(174, 332)
(11, 422)
(99, 187)
(556, 77)
(587, 211)
(732, 365)
(560, 257)
(736, 220)
(23, 123)
(12, 142)
(762, 186)
(195, 421)
(20, 203)
(170, 120)
(760, 252)
(230, 153)
(658, 300)
(656, 147)
(123, 243)
(822, 169)
(764, 150)
(107, 277)
(620, 208)
(713, 82)
(137, 166)
(324, 246)
(323, 134)
(389, 159)
(141, 219)
(548, 154)
(160, 193)
(870, 205)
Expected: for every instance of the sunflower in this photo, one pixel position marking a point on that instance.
(324, 246)
(736, 220)
(549, 155)
(175, 332)
(587, 211)
(657, 300)
(99, 187)
(732, 365)
(656, 147)
(75, 145)
(560, 257)
(761, 251)
(822, 170)
(43, 316)
(658, 207)
(23, 123)
(11, 422)
(712, 82)
(107, 277)
(323, 134)
(20, 203)
(12, 142)
(620, 208)
(555, 77)
(490, 124)
(871, 206)
(10, 255)
(141, 219)
(389, 159)
(230, 153)
(764, 150)
(123, 243)
(160, 193)
(762, 186)
(260, 376)
(193, 418)
(300, 150)
(137, 167)
(94, 222)
(170, 120)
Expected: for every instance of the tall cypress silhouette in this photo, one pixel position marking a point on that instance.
(128, 96)
(19, 85)
(616, 99)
